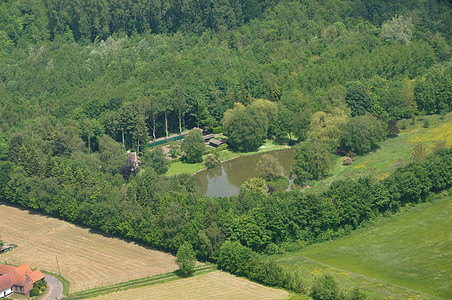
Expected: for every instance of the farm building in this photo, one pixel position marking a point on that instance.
(5, 248)
(216, 143)
(17, 279)
(208, 136)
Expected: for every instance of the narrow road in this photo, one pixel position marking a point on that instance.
(56, 288)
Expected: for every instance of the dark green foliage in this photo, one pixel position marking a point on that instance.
(38, 287)
(358, 100)
(112, 155)
(60, 93)
(186, 259)
(312, 161)
(245, 131)
(193, 146)
(433, 91)
(156, 160)
(325, 288)
(393, 129)
(362, 134)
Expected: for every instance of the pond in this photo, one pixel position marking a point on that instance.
(225, 179)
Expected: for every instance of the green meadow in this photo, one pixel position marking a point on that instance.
(394, 152)
(407, 256)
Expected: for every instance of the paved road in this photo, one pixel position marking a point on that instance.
(56, 288)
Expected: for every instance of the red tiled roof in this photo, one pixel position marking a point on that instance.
(6, 282)
(18, 275)
(36, 275)
(6, 268)
(23, 269)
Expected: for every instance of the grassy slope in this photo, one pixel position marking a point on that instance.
(412, 250)
(181, 168)
(393, 152)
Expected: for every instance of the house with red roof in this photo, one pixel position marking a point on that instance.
(18, 279)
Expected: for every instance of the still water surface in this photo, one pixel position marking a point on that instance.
(225, 179)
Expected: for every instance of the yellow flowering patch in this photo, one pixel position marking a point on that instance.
(440, 133)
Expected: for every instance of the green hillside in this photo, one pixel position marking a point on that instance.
(411, 250)
(394, 152)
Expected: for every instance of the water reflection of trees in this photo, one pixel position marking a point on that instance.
(231, 174)
(217, 171)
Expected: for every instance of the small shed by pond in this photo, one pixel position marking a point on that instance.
(207, 137)
(216, 143)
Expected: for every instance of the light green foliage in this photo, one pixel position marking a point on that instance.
(268, 167)
(398, 29)
(193, 146)
(185, 259)
(326, 127)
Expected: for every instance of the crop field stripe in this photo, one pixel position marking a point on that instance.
(138, 283)
(211, 285)
(142, 282)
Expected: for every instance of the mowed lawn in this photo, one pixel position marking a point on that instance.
(213, 285)
(86, 259)
(412, 250)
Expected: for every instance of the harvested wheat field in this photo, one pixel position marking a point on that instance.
(86, 259)
(214, 285)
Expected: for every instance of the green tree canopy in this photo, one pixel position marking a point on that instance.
(312, 160)
(185, 259)
(193, 146)
(156, 160)
(362, 134)
(268, 167)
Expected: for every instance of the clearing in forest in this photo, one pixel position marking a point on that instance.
(86, 259)
(412, 250)
(213, 285)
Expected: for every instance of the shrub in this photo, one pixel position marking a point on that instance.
(216, 130)
(393, 128)
(347, 161)
(355, 294)
(325, 288)
(426, 123)
(210, 161)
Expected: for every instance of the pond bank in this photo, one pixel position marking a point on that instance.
(224, 156)
(226, 179)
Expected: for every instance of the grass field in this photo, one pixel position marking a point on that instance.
(86, 259)
(412, 250)
(214, 285)
(184, 168)
(393, 152)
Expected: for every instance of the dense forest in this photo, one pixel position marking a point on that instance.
(81, 82)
